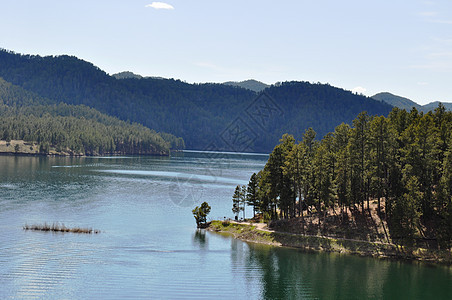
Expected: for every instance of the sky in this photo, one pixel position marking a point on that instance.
(398, 46)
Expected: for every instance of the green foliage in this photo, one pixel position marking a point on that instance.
(404, 159)
(252, 198)
(200, 214)
(238, 200)
(74, 129)
(175, 143)
(407, 210)
(196, 112)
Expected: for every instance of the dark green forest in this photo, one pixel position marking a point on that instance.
(74, 130)
(402, 163)
(206, 116)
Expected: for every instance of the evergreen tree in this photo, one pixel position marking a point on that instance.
(200, 214)
(359, 159)
(295, 169)
(403, 161)
(237, 201)
(322, 183)
(252, 193)
(381, 140)
(310, 144)
(342, 180)
(243, 200)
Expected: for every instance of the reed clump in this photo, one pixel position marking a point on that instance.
(56, 227)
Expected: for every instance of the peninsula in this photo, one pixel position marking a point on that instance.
(260, 233)
(381, 187)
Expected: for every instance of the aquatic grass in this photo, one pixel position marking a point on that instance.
(56, 227)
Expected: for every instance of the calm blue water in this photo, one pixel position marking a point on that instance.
(149, 246)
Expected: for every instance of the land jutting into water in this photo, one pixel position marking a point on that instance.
(347, 233)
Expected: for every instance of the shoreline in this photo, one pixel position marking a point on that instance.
(77, 155)
(249, 232)
(32, 149)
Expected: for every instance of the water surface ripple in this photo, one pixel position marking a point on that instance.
(149, 247)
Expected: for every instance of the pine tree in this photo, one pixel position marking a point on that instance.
(200, 214)
(342, 179)
(359, 143)
(252, 193)
(243, 200)
(237, 201)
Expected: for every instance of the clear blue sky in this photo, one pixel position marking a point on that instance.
(400, 46)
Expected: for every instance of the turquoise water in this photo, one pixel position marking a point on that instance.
(149, 246)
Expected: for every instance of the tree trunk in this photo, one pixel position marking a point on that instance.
(379, 206)
(300, 203)
(362, 204)
(320, 206)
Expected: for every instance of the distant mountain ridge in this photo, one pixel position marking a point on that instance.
(126, 75)
(131, 75)
(433, 105)
(250, 84)
(207, 116)
(408, 104)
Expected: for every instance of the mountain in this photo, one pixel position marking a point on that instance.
(320, 106)
(433, 105)
(396, 101)
(198, 111)
(47, 127)
(408, 104)
(206, 116)
(126, 75)
(250, 84)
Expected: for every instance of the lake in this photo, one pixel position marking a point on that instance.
(149, 246)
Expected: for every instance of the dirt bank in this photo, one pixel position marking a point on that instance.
(261, 234)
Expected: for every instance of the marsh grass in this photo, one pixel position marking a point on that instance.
(56, 227)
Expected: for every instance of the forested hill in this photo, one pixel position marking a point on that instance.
(206, 116)
(397, 101)
(47, 128)
(198, 112)
(405, 103)
(250, 84)
(320, 106)
(398, 166)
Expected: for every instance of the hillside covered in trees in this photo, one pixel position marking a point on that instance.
(206, 116)
(399, 166)
(405, 103)
(72, 129)
(250, 84)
